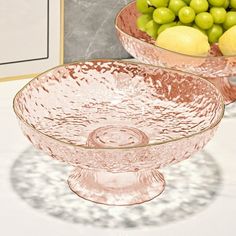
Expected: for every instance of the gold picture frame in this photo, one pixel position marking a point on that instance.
(61, 59)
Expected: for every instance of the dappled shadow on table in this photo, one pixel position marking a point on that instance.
(42, 183)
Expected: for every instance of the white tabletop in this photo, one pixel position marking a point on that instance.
(200, 197)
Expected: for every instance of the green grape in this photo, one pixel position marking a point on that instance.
(142, 21)
(159, 3)
(214, 33)
(226, 4)
(165, 26)
(163, 15)
(143, 7)
(230, 20)
(199, 5)
(176, 5)
(233, 3)
(186, 15)
(218, 14)
(151, 28)
(187, 1)
(216, 3)
(204, 20)
(196, 27)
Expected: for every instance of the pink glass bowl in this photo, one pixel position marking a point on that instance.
(118, 123)
(220, 70)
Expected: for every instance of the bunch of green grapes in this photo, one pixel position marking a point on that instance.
(212, 17)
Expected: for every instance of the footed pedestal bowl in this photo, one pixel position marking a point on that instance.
(218, 69)
(118, 123)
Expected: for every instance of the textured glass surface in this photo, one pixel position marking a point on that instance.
(216, 68)
(118, 121)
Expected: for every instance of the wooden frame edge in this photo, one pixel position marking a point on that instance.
(61, 60)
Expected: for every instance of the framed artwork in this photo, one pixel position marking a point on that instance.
(32, 37)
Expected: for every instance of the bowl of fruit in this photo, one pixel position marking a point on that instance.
(196, 36)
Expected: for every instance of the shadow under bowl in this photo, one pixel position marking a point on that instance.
(118, 122)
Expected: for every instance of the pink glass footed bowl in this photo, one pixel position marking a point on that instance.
(218, 69)
(118, 123)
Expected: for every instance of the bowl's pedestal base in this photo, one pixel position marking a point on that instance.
(109, 188)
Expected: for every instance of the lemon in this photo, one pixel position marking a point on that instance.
(184, 39)
(227, 42)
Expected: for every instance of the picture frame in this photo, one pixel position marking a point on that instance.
(32, 38)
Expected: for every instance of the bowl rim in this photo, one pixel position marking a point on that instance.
(126, 62)
(160, 48)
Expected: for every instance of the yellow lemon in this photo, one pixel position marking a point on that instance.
(184, 39)
(227, 42)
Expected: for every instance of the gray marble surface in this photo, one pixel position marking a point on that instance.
(90, 31)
